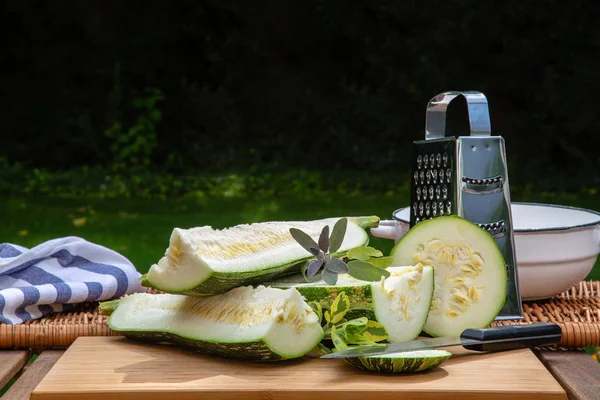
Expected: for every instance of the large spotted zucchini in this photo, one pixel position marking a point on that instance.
(205, 261)
(400, 302)
(470, 272)
(260, 324)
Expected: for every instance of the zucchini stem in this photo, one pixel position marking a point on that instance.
(107, 307)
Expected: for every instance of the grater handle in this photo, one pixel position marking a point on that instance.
(390, 230)
(477, 105)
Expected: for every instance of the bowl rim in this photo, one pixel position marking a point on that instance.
(560, 228)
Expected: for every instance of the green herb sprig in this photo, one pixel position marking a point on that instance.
(365, 263)
(342, 332)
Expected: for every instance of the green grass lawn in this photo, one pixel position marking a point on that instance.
(140, 229)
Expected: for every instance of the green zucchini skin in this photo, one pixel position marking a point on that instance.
(220, 282)
(399, 365)
(248, 351)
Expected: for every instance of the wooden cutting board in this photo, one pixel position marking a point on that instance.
(117, 368)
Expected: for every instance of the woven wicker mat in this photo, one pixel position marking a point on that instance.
(576, 310)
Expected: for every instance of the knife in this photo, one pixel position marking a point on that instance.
(499, 338)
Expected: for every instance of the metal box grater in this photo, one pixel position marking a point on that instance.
(466, 176)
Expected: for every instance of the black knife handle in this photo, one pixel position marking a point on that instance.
(516, 336)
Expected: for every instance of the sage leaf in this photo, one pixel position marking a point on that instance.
(360, 321)
(316, 307)
(358, 339)
(363, 253)
(337, 235)
(341, 332)
(304, 270)
(352, 327)
(315, 252)
(337, 265)
(361, 340)
(328, 317)
(321, 256)
(366, 271)
(324, 239)
(319, 350)
(303, 239)
(338, 309)
(375, 332)
(313, 267)
(329, 277)
(356, 326)
(338, 342)
(381, 262)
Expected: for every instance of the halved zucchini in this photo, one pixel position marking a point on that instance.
(205, 261)
(247, 323)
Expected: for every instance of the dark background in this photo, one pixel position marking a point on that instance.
(121, 120)
(208, 86)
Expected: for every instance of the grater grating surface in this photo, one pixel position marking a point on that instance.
(466, 176)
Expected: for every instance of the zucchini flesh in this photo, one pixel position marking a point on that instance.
(205, 261)
(400, 302)
(258, 324)
(470, 272)
(407, 362)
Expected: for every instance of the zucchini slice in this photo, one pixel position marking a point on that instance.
(470, 272)
(401, 363)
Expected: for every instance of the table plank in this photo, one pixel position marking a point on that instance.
(23, 387)
(576, 371)
(11, 362)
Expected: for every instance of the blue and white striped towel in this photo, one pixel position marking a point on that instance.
(58, 273)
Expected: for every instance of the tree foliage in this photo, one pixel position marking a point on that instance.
(294, 84)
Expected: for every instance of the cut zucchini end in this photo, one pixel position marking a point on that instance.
(402, 301)
(181, 268)
(366, 222)
(108, 307)
(290, 342)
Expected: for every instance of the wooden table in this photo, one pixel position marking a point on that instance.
(576, 371)
(17, 368)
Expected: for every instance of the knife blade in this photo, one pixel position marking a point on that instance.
(499, 338)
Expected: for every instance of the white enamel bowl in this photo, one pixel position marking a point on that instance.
(555, 246)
